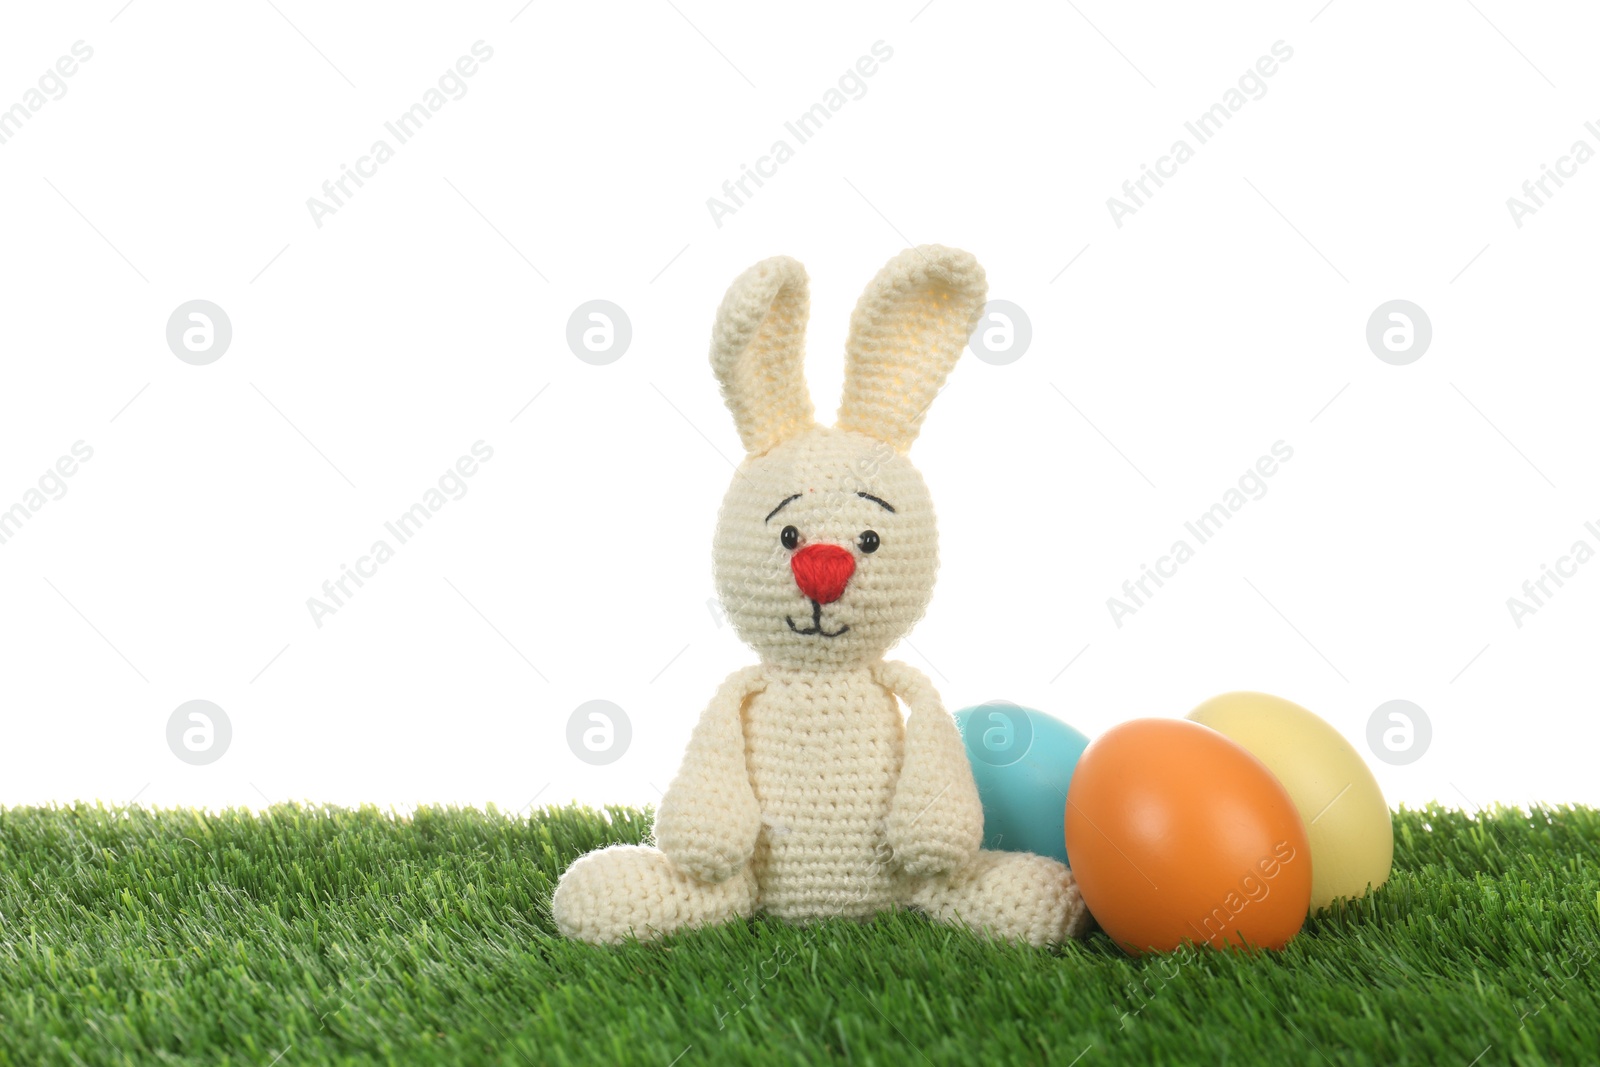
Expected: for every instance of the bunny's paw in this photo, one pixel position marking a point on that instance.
(1011, 896)
(709, 843)
(925, 857)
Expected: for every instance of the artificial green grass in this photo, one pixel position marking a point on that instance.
(329, 936)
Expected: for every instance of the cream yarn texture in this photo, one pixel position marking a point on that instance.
(804, 793)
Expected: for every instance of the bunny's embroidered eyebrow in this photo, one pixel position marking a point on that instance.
(876, 500)
(786, 501)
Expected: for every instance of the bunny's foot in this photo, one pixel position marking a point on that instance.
(625, 889)
(1014, 896)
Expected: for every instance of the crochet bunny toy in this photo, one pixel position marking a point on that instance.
(803, 793)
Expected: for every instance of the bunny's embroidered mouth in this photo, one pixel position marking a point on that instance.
(816, 623)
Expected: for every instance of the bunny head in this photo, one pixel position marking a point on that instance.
(826, 546)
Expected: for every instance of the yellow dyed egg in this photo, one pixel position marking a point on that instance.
(1346, 818)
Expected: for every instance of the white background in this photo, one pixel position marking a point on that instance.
(1227, 314)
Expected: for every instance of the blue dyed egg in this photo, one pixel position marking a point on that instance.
(1023, 762)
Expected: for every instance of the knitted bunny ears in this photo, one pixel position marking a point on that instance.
(906, 333)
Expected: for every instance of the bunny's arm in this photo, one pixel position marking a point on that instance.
(935, 820)
(708, 819)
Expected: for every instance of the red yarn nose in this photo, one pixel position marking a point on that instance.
(821, 571)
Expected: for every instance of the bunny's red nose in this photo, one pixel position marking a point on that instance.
(821, 571)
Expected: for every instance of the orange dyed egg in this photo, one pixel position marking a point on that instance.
(1178, 834)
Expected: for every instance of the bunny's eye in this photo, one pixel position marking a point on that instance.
(868, 541)
(790, 537)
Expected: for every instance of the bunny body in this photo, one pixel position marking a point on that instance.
(803, 792)
(824, 755)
